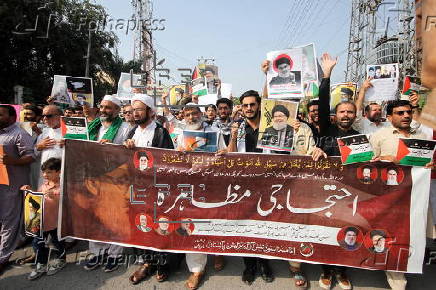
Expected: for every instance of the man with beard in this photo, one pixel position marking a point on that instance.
(223, 123)
(392, 177)
(350, 240)
(17, 155)
(108, 128)
(385, 141)
(313, 117)
(34, 223)
(196, 262)
(193, 122)
(249, 130)
(372, 121)
(148, 133)
(280, 133)
(378, 239)
(366, 175)
(32, 114)
(244, 138)
(385, 145)
(345, 113)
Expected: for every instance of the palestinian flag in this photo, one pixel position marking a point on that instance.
(411, 84)
(415, 152)
(355, 149)
(74, 128)
(199, 87)
(312, 90)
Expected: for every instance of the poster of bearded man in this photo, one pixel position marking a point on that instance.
(275, 130)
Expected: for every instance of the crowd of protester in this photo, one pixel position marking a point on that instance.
(34, 162)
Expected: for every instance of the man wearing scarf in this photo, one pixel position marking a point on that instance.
(109, 128)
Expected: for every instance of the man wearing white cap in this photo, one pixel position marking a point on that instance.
(148, 133)
(108, 128)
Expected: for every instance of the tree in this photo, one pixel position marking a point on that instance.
(32, 58)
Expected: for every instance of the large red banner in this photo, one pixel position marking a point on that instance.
(272, 206)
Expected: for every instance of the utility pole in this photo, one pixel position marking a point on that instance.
(369, 44)
(88, 55)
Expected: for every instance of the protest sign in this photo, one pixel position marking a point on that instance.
(275, 130)
(384, 83)
(74, 128)
(310, 71)
(342, 92)
(355, 149)
(250, 205)
(80, 90)
(199, 87)
(33, 213)
(176, 94)
(125, 90)
(200, 141)
(284, 76)
(415, 152)
(4, 177)
(226, 90)
(60, 91)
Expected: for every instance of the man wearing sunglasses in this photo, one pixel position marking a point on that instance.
(385, 145)
(385, 141)
(48, 144)
(244, 138)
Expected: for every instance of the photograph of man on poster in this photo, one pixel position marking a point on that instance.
(350, 241)
(33, 221)
(378, 239)
(186, 228)
(280, 133)
(283, 63)
(143, 225)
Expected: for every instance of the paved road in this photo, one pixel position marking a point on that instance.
(75, 277)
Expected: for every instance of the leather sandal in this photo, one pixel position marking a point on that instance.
(325, 281)
(194, 280)
(161, 275)
(140, 274)
(298, 276)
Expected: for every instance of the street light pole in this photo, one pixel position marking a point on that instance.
(88, 54)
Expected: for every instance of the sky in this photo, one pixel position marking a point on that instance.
(239, 33)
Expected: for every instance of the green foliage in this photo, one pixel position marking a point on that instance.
(32, 59)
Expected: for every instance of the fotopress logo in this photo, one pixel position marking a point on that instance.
(113, 24)
(430, 23)
(39, 26)
(31, 27)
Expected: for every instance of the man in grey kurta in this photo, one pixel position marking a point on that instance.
(17, 156)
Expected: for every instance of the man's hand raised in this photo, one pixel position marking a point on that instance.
(327, 64)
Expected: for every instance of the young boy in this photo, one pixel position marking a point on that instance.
(51, 189)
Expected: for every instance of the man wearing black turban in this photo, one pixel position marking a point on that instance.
(280, 133)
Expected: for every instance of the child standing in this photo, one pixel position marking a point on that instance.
(51, 170)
